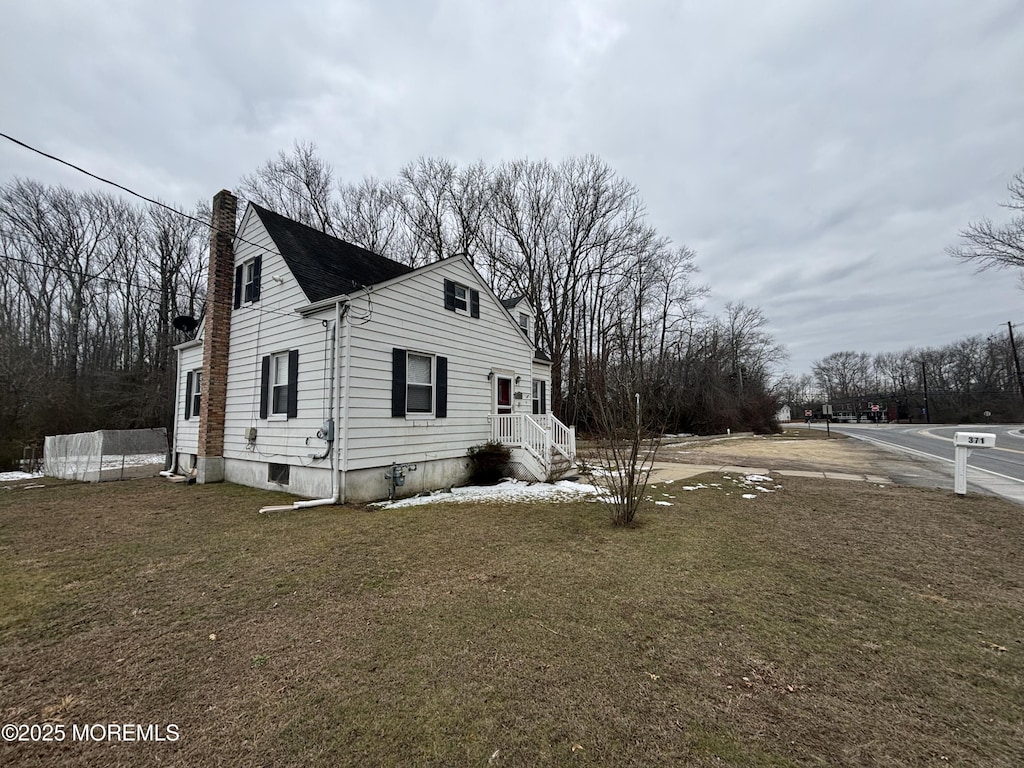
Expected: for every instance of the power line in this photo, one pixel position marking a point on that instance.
(92, 175)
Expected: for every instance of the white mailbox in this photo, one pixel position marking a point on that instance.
(974, 439)
(963, 442)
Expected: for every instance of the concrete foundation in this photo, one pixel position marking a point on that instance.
(358, 485)
(210, 469)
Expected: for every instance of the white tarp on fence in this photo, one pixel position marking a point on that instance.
(107, 454)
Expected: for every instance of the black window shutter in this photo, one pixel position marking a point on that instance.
(449, 295)
(293, 383)
(265, 388)
(441, 387)
(474, 303)
(543, 397)
(188, 395)
(397, 382)
(257, 269)
(238, 287)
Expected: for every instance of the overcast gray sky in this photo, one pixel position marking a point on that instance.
(817, 155)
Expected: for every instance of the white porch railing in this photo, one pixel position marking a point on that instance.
(541, 436)
(563, 438)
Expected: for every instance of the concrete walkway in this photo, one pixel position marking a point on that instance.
(662, 471)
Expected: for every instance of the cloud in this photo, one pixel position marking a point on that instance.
(818, 156)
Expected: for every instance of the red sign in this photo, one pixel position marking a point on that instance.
(875, 408)
(808, 413)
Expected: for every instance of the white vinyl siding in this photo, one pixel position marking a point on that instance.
(186, 432)
(267, 327)
(408, 315)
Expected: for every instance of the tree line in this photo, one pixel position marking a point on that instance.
(90, 285)
(957, 382)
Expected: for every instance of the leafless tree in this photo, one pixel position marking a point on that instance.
(988, 245)
(299, 185)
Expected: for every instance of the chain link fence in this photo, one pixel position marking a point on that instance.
(107, 454)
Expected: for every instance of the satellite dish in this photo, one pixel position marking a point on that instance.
(185, 323)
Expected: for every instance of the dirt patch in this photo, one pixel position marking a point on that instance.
(780, 452)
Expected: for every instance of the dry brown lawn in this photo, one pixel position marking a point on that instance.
(827, 623)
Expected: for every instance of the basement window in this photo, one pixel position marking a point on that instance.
(278, 473)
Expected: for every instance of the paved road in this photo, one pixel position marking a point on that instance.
(998, 470)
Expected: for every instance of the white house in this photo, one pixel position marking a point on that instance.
(331, 372)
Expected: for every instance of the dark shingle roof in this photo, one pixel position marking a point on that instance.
(511, 303)
(324, 265)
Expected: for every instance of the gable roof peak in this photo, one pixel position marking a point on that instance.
(325, 266)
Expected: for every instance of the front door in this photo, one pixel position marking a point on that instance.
(503, 394)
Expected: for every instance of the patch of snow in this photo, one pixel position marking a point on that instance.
(508, 491)
(8, 477)
(749, 495)
(757, 479)
(663, 503)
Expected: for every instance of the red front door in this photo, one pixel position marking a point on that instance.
(504, 395)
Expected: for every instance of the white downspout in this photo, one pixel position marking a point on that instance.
(344, 400)
(170, 471)
(335, 382)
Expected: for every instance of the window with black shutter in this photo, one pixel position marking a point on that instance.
(461, 299)
(247, 281)
(540, 405)
(197, 391)
(419, 384)
(279, 385)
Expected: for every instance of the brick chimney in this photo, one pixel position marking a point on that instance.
(217, 339)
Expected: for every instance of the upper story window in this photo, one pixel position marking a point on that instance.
(461, 299)
(247, 281)
(524, 323)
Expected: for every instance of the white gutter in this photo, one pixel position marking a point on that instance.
(339, 315)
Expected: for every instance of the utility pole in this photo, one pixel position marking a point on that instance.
(924, 379)
(1016, 360)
